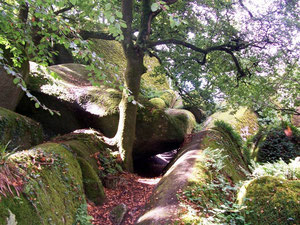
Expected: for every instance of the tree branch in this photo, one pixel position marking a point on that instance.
(244, 7)
(96, 35)
(63, 10)
(228, 48)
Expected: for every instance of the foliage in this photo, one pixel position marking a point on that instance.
(278, 145)
(4, 154)
(214, 201)
(108, 163)
(82, 217)
(280, 169)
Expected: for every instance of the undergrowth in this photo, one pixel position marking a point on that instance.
(82, 217)
(279, 169)
(11, 179)
(212, 198)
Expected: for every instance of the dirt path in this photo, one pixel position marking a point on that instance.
(132, 190)
(150, 201)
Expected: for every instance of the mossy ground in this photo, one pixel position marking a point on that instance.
(271, 200)
(20, 130)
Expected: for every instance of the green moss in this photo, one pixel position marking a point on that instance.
(158, 103)
(233, 159)
(23, 210)
(271, 200)
(107, 98)
(244, 121)
(20, 130)
(112, 53)
(93, 187)
(54, 189)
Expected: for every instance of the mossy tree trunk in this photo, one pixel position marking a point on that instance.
(128, 109)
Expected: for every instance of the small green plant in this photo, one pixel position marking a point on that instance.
(281, 169)
(214, 201)
(4, 155)
(226, 128)
(82, 217)
(107, 163)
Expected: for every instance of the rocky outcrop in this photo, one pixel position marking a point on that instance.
(190, 168)
(52, 180)
(52, 187)
(271, 200)
(82, 105)
(21, 131)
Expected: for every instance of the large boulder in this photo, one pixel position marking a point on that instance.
(50, 182)
(271, 200)
(195, 169)
(82, 105)
(11, 94)
(21, 131)
(52, 189)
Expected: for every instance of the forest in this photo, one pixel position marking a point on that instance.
(149, 112)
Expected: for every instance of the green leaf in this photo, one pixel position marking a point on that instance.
(119, 14)
(112, 19)
(155, 6)
(37, 105)
(108, 6)
(172, 22)
(73, 2)
(123, 25)
(16, 80)
(51, 112)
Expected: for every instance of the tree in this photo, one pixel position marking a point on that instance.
(210, 48)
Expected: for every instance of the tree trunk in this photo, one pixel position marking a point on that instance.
(128, 110)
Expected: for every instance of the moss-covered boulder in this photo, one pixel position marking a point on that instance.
(57, 177)
(243, 120)
(11, 94)
(271, 200)
(208, 156)
(20, 131)
(158, 102)
(82, 105)
(52, 187)
(160, 131)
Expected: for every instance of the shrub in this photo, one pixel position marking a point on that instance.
(277, 145)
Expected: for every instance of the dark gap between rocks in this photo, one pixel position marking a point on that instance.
(154, 166)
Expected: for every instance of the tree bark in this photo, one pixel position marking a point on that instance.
(135, 68)
(128, 110)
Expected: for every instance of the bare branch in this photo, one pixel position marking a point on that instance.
(244, 7)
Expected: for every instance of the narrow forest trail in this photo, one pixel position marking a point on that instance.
(131, 190)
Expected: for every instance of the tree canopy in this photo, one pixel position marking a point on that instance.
(213, 50)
